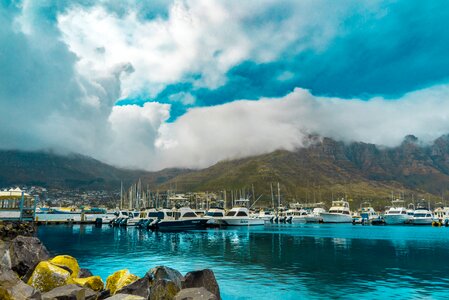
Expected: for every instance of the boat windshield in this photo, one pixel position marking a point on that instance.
(189, 214)
(153, 214)
(421, 215)
(214, 214)
(242, 214)
(124, 213)
(231, 214)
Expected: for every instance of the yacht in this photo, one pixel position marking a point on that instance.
(367, 212)
(143, 215)
(240, 216)
(315, 215)
(338, 213)
(213, 215)
(410, 209)
(397, 214)
(183, 219)
(441, 213)
(296, 214)
(422, 215)
(266, 215)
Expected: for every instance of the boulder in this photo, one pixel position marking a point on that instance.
(140, 287)
(119, 279)
(84, 273)
(126, 297)
(162, 272)
(26, 253)
(66, 292)
(5, 259)
(195, 294)
(202, 278)
(163, 289)
(67, 261)
(12, 288)
(47, 276)
(93, 282)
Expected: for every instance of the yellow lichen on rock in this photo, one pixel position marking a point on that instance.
(67, 261)
(93, 282)
(119, 280)
(47, 276)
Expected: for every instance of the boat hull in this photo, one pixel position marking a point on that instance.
(422, 221)
(169, 225)
(336, 218)
(396, 219)
(314, 219)
(241, 222)
(298, 220)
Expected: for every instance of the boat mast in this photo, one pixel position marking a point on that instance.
(121, 195)
(272, 195)
(279, 196)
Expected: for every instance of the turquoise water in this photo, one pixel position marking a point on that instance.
(276, 261)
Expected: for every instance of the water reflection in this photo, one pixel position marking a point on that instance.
(280, 261)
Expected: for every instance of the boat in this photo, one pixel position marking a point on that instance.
(397, 214)
(266, 215)
(441, 213)
(338, 213)
(213, 215)
(239, 215)
(423, 215)
(296, 214)
(367, 212)
(315, 215)
(183, 219)
(410, 209)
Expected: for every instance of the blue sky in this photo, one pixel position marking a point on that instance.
(183, 83)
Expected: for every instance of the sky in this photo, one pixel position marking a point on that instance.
(157, 84)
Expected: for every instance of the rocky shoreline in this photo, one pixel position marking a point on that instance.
(28, 271)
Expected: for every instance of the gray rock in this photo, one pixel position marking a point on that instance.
(66, 292)
(125, 297)
(141, 287)
(195, 294)
(84, 273)
(90, 294)
(166, 273)
(202, 278)
(163, 289)
(5, 259)
(11, 287)
(26, 253)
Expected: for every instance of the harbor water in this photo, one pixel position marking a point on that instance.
(312, 261)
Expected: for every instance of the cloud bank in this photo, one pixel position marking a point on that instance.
(189, 83)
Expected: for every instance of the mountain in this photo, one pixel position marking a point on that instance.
(69, 171)
(329, 169)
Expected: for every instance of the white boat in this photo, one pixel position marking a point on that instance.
(315, 215)
(266, 215)
(441, 213)
(213, 215)
(338, 213)
(295, 215)
(410, 209)
(397, 214)
(423, 215)
(367, 212)
(239, 216)
(143, 215)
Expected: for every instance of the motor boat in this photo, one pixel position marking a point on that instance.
(397, 214)
(367, 212)
(240, 216)
(315, 215)
(338, 213)
(295, 215)
(423, 215)
(183, 219)
(266, 215)
(213, 215)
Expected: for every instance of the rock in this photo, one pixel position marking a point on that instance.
(195, 294)
(66, 292)
(91, 295)
(26, 253)
(12, 288)
(94, 283)
(126, 297)
(84, 273)
(5, 259)
(162, 272)
(140, 287)
(68, 262)
(119, 279)
(202, 278)
(47, 276)
(163, 289)
(104, 295)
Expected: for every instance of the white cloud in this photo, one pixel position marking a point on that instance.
(204, 136)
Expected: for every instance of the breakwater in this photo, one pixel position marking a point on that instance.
(29, 271)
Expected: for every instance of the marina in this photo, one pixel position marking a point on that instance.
(280, 261)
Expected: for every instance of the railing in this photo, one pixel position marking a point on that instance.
(23, 209)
